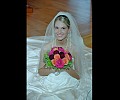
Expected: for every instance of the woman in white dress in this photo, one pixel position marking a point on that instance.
(44, 83)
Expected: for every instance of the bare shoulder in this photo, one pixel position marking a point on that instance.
(47, 46)
(72, 49)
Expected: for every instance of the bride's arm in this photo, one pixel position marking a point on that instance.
(73, 73)
(42, 70)
(45, 71)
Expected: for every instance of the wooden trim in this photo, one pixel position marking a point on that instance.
(29, 9)
(88, 40)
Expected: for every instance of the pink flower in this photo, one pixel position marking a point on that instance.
(56, 56)
(59, 63)
(66, 51)
(65, 60)
(70, 55)
(52, 50)
(61, 49)
(56, 52)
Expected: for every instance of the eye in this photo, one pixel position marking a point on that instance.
(56, 27)
(63, 28)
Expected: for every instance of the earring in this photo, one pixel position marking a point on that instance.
(70, 38)
(54, 41)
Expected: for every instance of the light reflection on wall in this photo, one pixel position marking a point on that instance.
(83, 10)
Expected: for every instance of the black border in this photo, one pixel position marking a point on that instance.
(13, 46)
(13, 49)
(105, 49)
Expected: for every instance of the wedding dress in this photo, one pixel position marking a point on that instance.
(52, 87)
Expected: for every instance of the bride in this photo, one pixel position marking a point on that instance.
(45, 83)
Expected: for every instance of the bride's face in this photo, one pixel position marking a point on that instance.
(61, 30)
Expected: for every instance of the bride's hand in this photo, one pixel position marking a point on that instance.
(73, 73)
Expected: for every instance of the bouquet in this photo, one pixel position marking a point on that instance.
(58, 58)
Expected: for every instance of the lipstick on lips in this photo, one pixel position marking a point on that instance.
(59, 35)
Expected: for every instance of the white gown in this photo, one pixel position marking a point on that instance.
(52, 87)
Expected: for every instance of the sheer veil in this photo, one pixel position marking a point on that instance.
(75, 38)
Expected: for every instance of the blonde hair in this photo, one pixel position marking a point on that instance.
(64, 19)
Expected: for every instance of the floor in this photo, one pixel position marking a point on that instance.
(41, 12)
